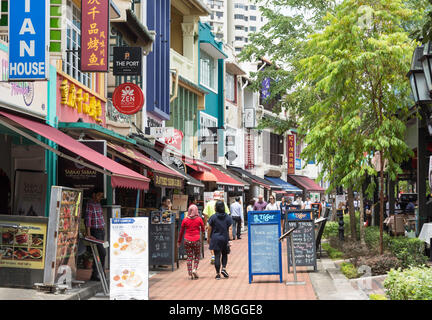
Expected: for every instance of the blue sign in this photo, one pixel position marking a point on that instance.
(264, 247)
(298, 164)
(28, 39)
(300, 215)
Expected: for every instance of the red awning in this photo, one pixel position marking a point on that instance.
(204, 176)
(138, 156)
(305, 183)
(121, 176)
(196, 164)
(223, 178)
(266, 186)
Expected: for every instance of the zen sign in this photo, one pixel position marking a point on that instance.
(28, 39)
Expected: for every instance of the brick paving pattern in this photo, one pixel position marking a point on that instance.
(168, 285)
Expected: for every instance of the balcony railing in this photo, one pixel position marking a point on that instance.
(183, 65)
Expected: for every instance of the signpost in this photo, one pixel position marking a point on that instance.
(264, 247)
(28, 40)
(127, 61)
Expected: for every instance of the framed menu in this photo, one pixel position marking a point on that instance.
(62, 238)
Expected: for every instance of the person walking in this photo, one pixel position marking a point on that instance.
(250, 207)
(272, 205)
(191, 228)
(219, 224)
(307, 204)
(237, 217)
(95, 227)
(209, 211)
(260, 205)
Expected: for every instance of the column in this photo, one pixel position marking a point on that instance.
(422, 172)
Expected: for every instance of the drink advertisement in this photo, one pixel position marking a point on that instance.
(129, 259)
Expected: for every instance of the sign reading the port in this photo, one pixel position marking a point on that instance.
(28, 46)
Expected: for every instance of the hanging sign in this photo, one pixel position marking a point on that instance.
(28, 40)
(128, 98)
(127, 61)
(291, 154)
(94, 35)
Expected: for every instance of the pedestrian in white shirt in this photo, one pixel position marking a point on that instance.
(307, 204)
(272, 205)
(237, 217)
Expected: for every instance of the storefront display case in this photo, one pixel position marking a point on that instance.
(22, 250)
(63, 232)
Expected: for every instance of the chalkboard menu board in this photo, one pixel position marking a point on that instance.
(161, 241)
(304, 242)
(265, 251)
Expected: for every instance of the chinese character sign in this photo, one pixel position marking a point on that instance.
(291, 154)
(94, 35)
(28, 39)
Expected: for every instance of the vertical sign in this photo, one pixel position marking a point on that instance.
(291, 154)
(28, 40)
(94, 35)
(430, 172)
(129, 259)
(250, 151)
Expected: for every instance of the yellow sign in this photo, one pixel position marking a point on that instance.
(23, 248)
(167, 182)
(74, 97)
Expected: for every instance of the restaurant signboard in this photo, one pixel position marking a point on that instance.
(291, 154)
(127, 61)
(94, 35)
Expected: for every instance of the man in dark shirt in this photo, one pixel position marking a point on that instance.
(95, 226)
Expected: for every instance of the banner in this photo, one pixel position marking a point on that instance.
(129, 259)
(94, 35)
(291, 153)
(28, 39)
(29, 195)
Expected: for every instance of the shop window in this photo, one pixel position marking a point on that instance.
(208, 74)
(230, 88)
(71, 63)
(208, 138)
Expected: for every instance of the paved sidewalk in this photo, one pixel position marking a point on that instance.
(168, 285)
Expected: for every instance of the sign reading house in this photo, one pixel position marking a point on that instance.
(127, 61)
(28, 39)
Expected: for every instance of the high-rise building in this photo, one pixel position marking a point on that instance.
(233, 20)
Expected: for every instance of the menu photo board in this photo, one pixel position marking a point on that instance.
(264, 247)
(62, 238)
(180, 202)
(129, 259)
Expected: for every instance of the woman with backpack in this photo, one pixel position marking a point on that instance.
(218, 239)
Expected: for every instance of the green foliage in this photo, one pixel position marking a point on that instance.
(349, 270)
(414, 283)
(409, 251)
(331, 229)
(372, 238)
(332, 252)
(380, 264)
(375, 296)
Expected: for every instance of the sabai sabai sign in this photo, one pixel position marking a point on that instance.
(28, 39)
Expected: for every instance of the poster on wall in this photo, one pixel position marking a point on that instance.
(129, 263)
(340, 202)
(75, 175)
(29, 194)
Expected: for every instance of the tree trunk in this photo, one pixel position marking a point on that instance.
(381, 202)
(362, 229)
(333, 208)
(352, 213)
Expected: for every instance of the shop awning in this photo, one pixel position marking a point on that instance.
(257, 180)
(305, 183)
(204, 176)
(284, 185)
(228, 173)
(225, 179)
(212, 50)
(121, 176)
(197, 165)
(191, 181)
(163, 176)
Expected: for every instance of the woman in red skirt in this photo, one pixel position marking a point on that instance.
(191, 227)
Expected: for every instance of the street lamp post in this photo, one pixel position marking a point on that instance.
(417, 78)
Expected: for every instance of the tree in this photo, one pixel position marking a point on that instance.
(359, 62)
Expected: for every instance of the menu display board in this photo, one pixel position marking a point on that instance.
(264, 247)
(22, 250)
(129, 262)
(180, 202)
(63, 229)
(303, 239)
(22, 247)
(161, 241)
